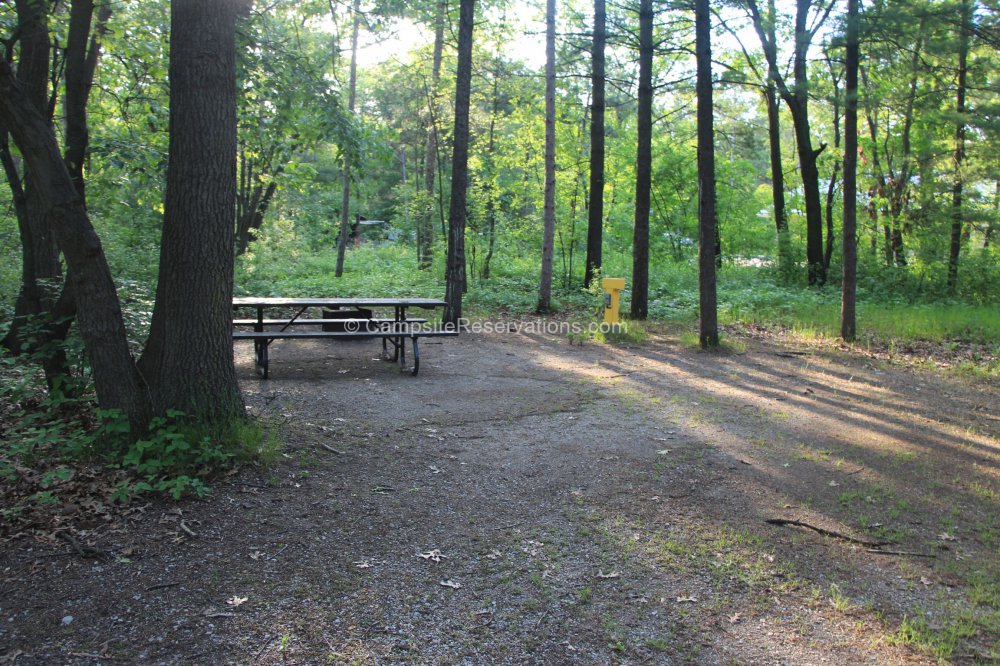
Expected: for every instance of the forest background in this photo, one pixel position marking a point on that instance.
(345, 118)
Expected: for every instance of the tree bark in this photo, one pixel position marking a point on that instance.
(848, 323)
(831, 189)
(959, 180)
(426, 229)
(643, 166)
(118, 384)
(345, 200)
(188, 360)
(797, 100)
(708, 315)
(83, 49)
(595, 219)
(549, 231)
(996, 210)
(40, 268)
(455, 269)
(774, 142)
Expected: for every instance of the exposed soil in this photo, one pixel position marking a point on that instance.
(524, 500)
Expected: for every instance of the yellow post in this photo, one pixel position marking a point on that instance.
(612, 293)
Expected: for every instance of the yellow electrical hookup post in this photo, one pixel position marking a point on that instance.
(612, 294)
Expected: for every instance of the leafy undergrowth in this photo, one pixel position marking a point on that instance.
(63, 461)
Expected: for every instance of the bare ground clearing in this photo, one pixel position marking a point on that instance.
(528, 501)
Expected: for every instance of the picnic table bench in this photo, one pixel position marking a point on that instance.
(342, 319)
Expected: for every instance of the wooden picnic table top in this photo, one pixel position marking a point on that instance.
(272, 302)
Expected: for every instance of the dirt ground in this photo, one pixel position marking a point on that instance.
(528, 501)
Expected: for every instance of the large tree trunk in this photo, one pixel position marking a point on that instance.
(188, 360)
(959, 177)
(643, 165)
(425, 230)
(345, 199)
(848, 324)
(41, 271)
(118, 384)
(549, 231)
(595, 219)
(455, 269)
(708, 315)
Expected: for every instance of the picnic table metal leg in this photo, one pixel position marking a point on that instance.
(416, 357)
(385, 349)
(400, 344)
(260, 357)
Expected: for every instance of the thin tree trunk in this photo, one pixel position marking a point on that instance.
(38, 295)
(708, 315)
(430, 160)
(82, 53)
(959, 177)
(188, 360)
(848, 323)
(901, 181)
(777, 173)
(40, 267)
(595, 219)
(455, 269)
(118, 384)
(831, 189)
(250, 214)
(491, 212)
(996, 213)
(774, 140)
(548, 234)
(879, 188)
(345, 200)
(797, 100)
(643, 166)
(491, 185)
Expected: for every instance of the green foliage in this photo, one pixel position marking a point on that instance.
(49, 430)
(178, 453)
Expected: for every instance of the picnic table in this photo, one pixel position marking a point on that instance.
(340, 319)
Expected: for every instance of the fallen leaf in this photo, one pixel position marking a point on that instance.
(236, 602)
(734, 618)
(925, 580)
(450, 583)
(433, 555)
(833, 484)
(944, 536)
(687, 600)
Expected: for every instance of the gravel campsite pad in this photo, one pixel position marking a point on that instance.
(527, 500)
